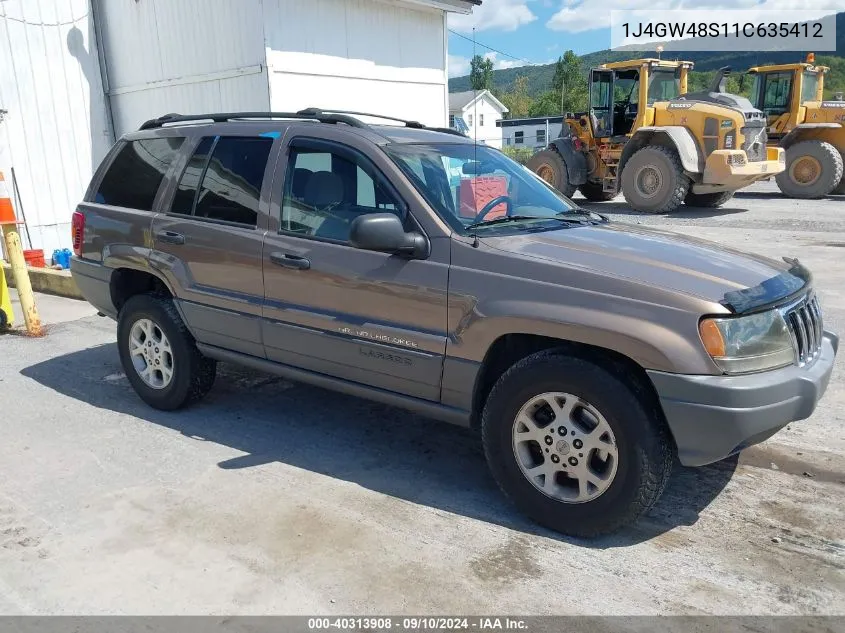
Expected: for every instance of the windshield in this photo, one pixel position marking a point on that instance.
(475, 186)
(663, 85)
(810, 86)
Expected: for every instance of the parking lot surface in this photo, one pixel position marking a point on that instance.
(275, 497)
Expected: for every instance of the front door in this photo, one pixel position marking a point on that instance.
(209, 243)
(601, 103)
(373, 318)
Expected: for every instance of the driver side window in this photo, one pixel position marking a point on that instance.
(326, 190)
(777, 91)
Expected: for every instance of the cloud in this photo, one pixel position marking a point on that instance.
(576, 16)
(458, 66)
(501, 15)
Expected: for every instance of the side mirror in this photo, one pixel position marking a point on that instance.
(384, 232)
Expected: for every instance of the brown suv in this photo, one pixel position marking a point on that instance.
(411, 266)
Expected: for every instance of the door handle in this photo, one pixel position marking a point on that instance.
(170, 237)
(290, 261)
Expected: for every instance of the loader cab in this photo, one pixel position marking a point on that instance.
(622, 94)
(781, 91)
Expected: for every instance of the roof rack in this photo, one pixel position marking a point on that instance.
(311, 114)
(220, 117)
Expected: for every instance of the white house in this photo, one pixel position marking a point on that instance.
(480, 110)
(534, 133)
(76, 74)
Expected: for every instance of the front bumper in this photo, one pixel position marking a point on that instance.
(732, 169)
(712, 417)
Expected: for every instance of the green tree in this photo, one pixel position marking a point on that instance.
(517, 100)
(481, 73)
(547, 104)
(570, 83)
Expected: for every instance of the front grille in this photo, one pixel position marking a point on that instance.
(755, 142)
(804, 320)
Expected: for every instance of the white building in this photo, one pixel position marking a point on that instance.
(534, 133)
(76, 74)
(480, 110)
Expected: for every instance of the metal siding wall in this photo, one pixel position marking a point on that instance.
(56, 131)
(357, 55)
(184, 43)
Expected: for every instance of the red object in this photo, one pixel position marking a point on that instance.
(34, 258)
(478, 191)
(7, 213)
(77, 230)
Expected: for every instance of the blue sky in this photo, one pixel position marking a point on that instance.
(538, 31)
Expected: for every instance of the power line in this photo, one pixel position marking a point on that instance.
(495, 50)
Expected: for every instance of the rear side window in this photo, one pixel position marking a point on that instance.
(134, 176)
(222, 180)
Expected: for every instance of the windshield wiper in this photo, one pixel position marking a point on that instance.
(583, 211)
(514, 218)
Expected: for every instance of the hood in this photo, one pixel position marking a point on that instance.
(738, 280)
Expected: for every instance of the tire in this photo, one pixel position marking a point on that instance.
(593, 192)
(708, 200)
(813, 170)
(839, 189)
(192, 374)
(644, 448)
(671, 184)
(549, 165)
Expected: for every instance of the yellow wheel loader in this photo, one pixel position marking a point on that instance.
(659, 146)
(810, 129)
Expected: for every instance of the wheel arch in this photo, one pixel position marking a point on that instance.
(126, 282)
(510, 348)
(833, 133)
(575, 161)
(675, 137)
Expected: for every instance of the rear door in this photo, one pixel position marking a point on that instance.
(372, 318)
(208, 244)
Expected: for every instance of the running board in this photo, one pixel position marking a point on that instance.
(423, 407)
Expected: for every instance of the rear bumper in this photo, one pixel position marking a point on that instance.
(712, 417)
(94, 282)
(722, 168)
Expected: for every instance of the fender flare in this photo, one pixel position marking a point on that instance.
(678, 136)
(793, 136)
(575, 161)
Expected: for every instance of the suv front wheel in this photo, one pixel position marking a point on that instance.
(159, 355)
(574, 446)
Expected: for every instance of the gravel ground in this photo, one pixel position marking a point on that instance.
(273, 497)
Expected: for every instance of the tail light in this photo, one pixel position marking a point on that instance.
(77, 230)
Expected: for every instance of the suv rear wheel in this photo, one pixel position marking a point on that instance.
(573, 445)
(159, 355)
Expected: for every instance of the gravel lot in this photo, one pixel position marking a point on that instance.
(273, 497)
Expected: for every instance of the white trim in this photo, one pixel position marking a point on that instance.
(494, 102)
(452, 6)
(396, 80)
(191, 79)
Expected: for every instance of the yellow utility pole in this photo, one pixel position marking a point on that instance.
(14, 251)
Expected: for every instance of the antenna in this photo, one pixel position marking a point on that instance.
(475, 142)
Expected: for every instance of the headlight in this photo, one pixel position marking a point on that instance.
(739, 345)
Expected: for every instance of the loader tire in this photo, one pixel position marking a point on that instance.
(594, 193)
(813, 170)
(653, 180)
(839, 189)
(550, 166)
(708, 200)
